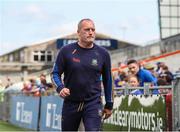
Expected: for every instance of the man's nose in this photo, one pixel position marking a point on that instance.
(91, 31)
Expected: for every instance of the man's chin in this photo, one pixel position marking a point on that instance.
(90, 41)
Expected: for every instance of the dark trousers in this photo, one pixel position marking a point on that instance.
(90, 112)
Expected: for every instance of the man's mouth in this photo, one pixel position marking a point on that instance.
(90, 37)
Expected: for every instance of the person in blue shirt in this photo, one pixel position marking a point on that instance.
(82, 64)
(143, 75)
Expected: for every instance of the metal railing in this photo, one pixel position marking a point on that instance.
(146, 90)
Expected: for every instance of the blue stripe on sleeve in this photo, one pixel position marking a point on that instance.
(57, 71)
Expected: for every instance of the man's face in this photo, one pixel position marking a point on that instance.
(86, 32)
(133, 68)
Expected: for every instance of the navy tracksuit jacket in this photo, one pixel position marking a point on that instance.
(82, 70)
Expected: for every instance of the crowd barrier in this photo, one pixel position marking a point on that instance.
(138, 113)
(24, 111)
(130, 113)
(36, 113)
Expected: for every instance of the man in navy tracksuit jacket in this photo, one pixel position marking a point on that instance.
(83, 63)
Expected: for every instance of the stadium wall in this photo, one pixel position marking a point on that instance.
(170, 45)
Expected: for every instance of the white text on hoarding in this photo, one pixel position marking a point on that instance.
(23, 115)
(136, 119)
(53, 120)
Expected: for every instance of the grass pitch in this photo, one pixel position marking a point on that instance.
(6, 126)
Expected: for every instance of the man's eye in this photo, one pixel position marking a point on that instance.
(90, 29)
(93, 29)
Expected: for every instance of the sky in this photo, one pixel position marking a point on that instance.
(27, 22)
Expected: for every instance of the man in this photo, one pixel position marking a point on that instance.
(44, 86)
(143, 75)
(83, 63)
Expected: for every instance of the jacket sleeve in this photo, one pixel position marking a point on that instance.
(57, 71)
(151, 78)
(107, 82)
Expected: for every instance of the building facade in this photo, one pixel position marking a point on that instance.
(29, 60)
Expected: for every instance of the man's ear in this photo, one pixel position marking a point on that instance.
(78, 31)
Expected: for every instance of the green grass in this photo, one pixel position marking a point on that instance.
(109, 127)
(6, 126)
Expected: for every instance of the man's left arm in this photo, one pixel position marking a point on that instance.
(108, 89)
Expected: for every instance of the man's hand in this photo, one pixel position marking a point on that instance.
(64, 92)
(106, 113)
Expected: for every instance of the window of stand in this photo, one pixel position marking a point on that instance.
(42, 56)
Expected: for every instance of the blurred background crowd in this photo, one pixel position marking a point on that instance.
(42, 85)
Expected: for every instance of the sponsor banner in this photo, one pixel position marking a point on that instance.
(138, 113)
(50, 118)
(24, 111)
(110, 44)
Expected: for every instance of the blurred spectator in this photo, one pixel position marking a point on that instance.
(166, 75)
(122, 74)
(118, 83)
(120, 78)
(150, 67)
(44, 86)
(159, 67)
(116, 80)
(9, 82)
(163, 82)
(29, 86)
(143, 75)
(134, 82)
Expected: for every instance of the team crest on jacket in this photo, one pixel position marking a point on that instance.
(94, 62)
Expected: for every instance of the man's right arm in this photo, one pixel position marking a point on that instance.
(57, 71)
(153, 80)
